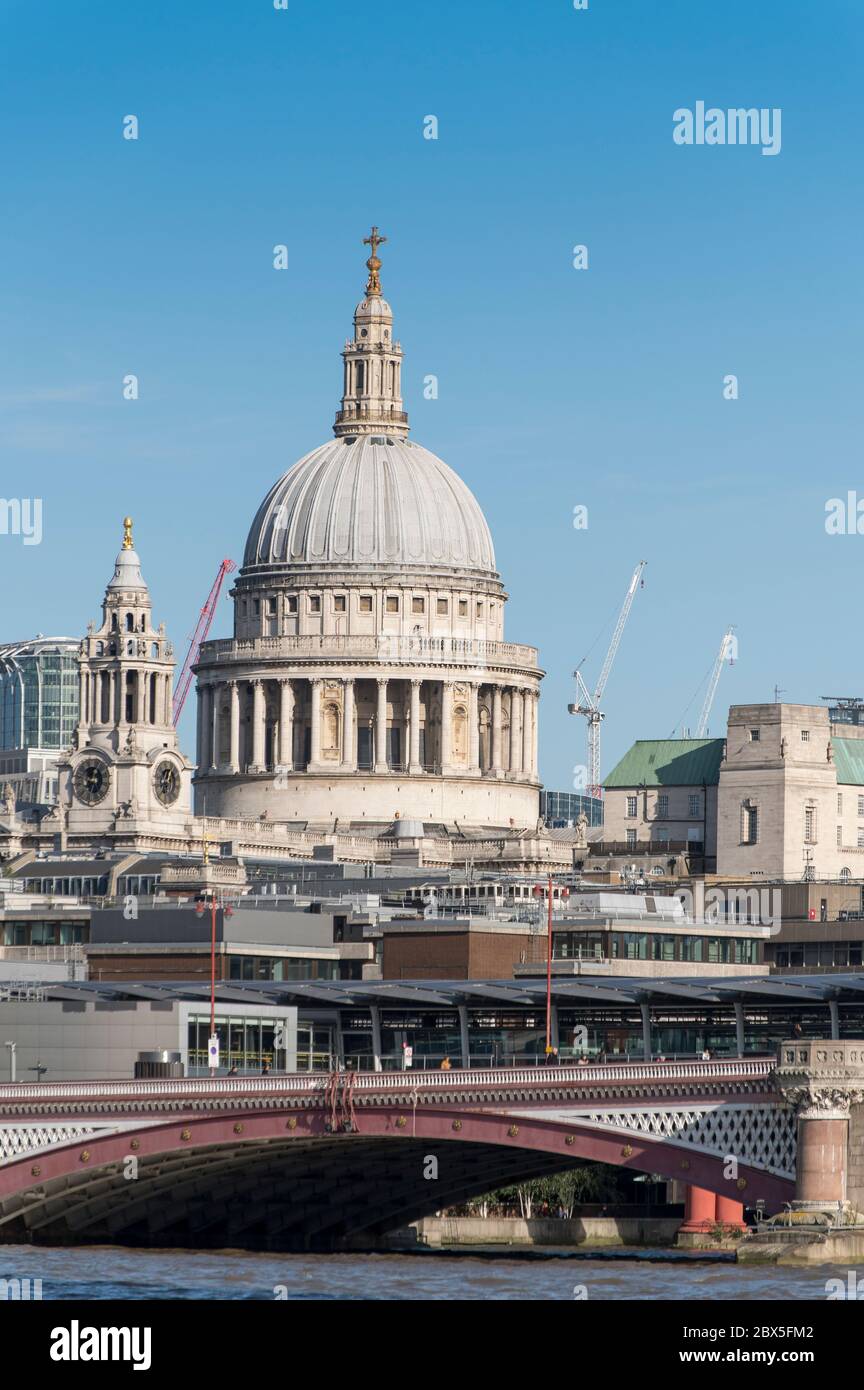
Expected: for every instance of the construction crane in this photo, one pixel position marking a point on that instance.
(589, 704)
(206, 618)
(727, 649)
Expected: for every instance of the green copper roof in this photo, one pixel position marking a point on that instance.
(669, 762)
(849, 760)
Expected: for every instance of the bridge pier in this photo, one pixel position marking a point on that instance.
(824, 1083)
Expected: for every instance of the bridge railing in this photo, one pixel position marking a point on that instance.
(744, 1068)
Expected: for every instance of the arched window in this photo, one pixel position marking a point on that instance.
(130, 648)
(460, 734)
(113, 622)
(100, 648)
(845, 875)
(130, 622)
(143, 623)
(330, 730)
(154, 650)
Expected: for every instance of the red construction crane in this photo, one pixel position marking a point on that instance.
(207, 613)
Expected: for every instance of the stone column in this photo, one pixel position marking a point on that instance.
(821, 1080)
(234, 749)
(205, 727)
(315, 724)
(141, 693)
(516, 716)
(82, 697)
(258, 717)
(446, 726)
(473, 727)
(113, 712)
(169, 710)
(414, 756)
(381, 728)
(285, 756)
(495, 768)
(527, 717)
(217, 726)
(349, 738)
(535, 729)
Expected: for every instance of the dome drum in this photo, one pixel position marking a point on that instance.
(368, 675)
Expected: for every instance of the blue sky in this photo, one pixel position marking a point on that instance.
(557, 387)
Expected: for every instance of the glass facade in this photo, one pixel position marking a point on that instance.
(281, 968)
(568, 806)
(38, 693)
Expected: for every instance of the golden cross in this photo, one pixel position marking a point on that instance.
(374, 240)
(373, 284)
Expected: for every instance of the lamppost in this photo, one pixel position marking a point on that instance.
(538, 893)
(13, 1047)
(200, 908)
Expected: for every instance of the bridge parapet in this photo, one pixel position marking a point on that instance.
(19, 1096)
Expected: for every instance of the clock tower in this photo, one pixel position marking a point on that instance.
(125, 775)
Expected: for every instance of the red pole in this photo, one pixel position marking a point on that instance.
(212, 964)
(549, 977)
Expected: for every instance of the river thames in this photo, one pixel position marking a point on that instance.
(105, 1272)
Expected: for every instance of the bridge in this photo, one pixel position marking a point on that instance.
(309, 1161)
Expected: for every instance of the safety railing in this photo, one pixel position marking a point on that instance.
(747, 1069)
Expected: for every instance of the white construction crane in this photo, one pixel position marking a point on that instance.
(727, 649)
(589, 704)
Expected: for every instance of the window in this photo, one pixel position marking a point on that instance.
(314, 603)
(663, 805)
(810, 825)
(339, 603)
(845, 875)
(292, 603)
(463, 608)
(365, 603)
(631, 805)
(271, 604)
(749, 823)
(418, 605)
(805, 735)
(631, 839)
(257, 604)
(392, 604)
(839, 803)
(479, 610)
(861, 805)
(861, 837)
(840, 836)
(243, 607)
(754, 735)
(442, 606)
(694, 805)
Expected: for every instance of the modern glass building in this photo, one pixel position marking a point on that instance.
(38, 693)
(38, 713)
(564, 808)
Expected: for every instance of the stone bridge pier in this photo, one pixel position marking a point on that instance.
(823, 1082)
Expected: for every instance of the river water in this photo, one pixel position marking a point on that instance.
(112, 1273)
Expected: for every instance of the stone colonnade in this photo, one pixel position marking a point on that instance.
(368, 724)
(112, 696)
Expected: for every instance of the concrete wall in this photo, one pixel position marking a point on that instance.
(588, 1230)
(86, 1040)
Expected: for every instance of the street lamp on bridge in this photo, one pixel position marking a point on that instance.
(538, 893)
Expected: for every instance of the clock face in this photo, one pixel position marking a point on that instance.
(91, 781)
(167, 782)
